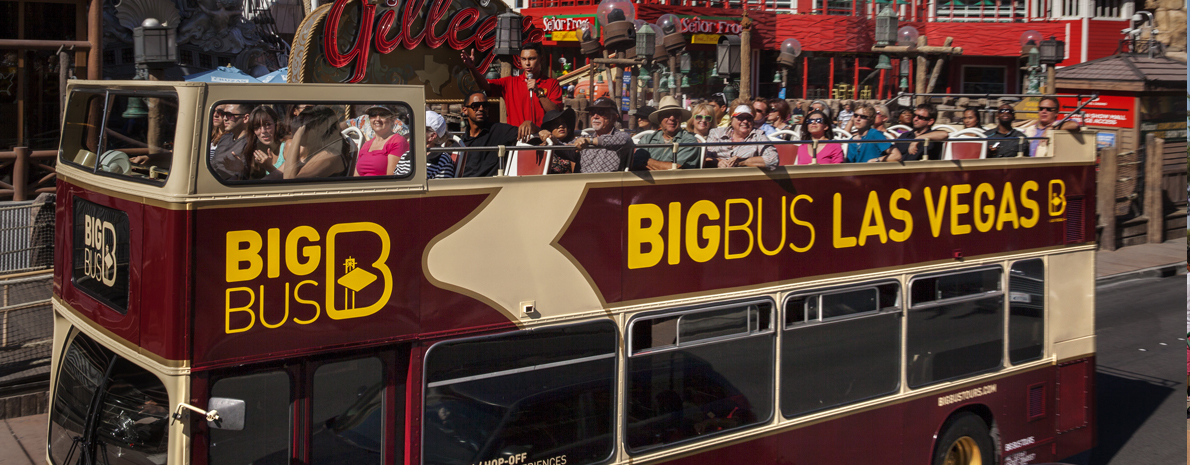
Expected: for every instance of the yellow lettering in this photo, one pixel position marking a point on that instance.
(274, 254)
(936, 214)
(313, 253)
(1057, 204)
(283, 319)
(984, 221)
(675, 233)
(873, 224)
(1007, 208)
(710, 233)
(898, 213)
(840, 241)
(1030, 204)
(246, 309)
(237, 255)
(728, 228)
(793, 217)
(958, 208)
(380, 264)
(760, 226)
(639, 236)
(317, 309)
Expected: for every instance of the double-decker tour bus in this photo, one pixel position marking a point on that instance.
(934, 312)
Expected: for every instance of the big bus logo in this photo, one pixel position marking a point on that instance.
(99, 255)
(347, 278)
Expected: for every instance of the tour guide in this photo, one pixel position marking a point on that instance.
(526, 96)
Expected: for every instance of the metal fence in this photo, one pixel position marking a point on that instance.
(27, 235)
(26, 329)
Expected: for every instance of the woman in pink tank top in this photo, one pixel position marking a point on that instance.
(379, 156)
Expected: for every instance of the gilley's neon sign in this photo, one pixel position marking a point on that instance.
(385, 33)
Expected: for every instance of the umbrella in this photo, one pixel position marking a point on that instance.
(222, 74)
(275, 77)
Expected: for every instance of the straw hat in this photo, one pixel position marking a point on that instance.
(669, 104)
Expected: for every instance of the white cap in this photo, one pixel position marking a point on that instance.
(436, 122)
(742, 110)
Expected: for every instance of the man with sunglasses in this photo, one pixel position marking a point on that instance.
(863, 119)
(608, 150)
(923, 128)
(760, 111)
(669, 117)
(483, 132)
(1011, 142)
(527, 96)
(719, 103)
(1047, 120)
(228, 161)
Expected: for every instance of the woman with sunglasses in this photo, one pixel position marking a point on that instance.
(778, 117)
(702, 119)
(386, 153)
(741, 130)
(267, 144)
(819, 127)
(216, 128)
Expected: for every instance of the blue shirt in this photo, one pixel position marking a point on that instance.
(861, 153)
(767, 128)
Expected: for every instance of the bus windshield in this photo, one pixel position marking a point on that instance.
(121, 133)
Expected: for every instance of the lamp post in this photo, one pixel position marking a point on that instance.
(155, 46)
(1051, 53)
(787, 59)
(728, 63)
(646, 46)
(1029, 52)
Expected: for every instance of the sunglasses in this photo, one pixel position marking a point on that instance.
(923, 118)
(228, 114)
(864, 117)
(773, 111)
(815, 121)
(744, 117)
(477, 105)
(1006, 110)
(1049, 109)
(703, 117)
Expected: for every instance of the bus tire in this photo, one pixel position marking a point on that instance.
(965, 440)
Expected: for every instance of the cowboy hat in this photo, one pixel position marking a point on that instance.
(604, 103)
(669, 104)
(568, 116)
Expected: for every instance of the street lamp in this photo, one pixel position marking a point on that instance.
(154, 44)
(1032, 56)
(787, 59)
(646, 41)
(1052, 51)
(728, 55)
(589, 45)
(673, 40)
(886, 27)
(907, 36)
(619, 31)
(508, 35)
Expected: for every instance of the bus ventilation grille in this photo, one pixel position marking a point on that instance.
(1036, 401)
(1076, 230)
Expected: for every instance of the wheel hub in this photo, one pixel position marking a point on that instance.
(964, 451)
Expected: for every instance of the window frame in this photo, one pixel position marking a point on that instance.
(682, 312)
(951, 300)
(616, 440)
(350, 178)
(900, 306)
(102, 144)
(1045, 326)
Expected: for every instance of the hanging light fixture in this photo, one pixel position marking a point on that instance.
(673, 41)
(728, 54)
(646, 41)
(616, 17)
(508, 35)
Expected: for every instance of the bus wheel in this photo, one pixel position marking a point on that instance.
(965, 441)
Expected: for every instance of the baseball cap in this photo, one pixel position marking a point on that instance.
(436, 122)
(741, 110)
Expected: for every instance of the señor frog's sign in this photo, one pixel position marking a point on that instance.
(399, 42)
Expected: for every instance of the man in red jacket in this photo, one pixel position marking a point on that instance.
(527, 96)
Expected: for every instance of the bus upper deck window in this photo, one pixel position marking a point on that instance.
(267, 141)
(125, 134)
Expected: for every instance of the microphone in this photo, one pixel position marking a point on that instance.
(529, 75)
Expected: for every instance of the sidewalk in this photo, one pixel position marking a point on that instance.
(22, 440)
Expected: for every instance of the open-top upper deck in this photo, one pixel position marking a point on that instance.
(208, 272)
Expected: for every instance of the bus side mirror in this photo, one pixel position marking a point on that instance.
(231, 413)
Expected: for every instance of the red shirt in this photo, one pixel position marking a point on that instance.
(520, 105)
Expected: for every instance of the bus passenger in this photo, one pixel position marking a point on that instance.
(318, 149)
(1047, 120)
(905, 117)
(970, 118)
(643, 123)
(482, 132)
(880, 120)
(229, 158)
(267, 144)
(557, 128)
(608, 150)
(778, 117)
(702, 121)
(820, 128)
(387, 153)
(864, 118)
(720, 106)
(527, 96)
(439, 165)
(760, 111)
(216, 130)
(669, 117)
(923, 128)
(1010, 145)
(741, 130)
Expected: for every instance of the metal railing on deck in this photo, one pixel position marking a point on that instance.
(23, 162)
